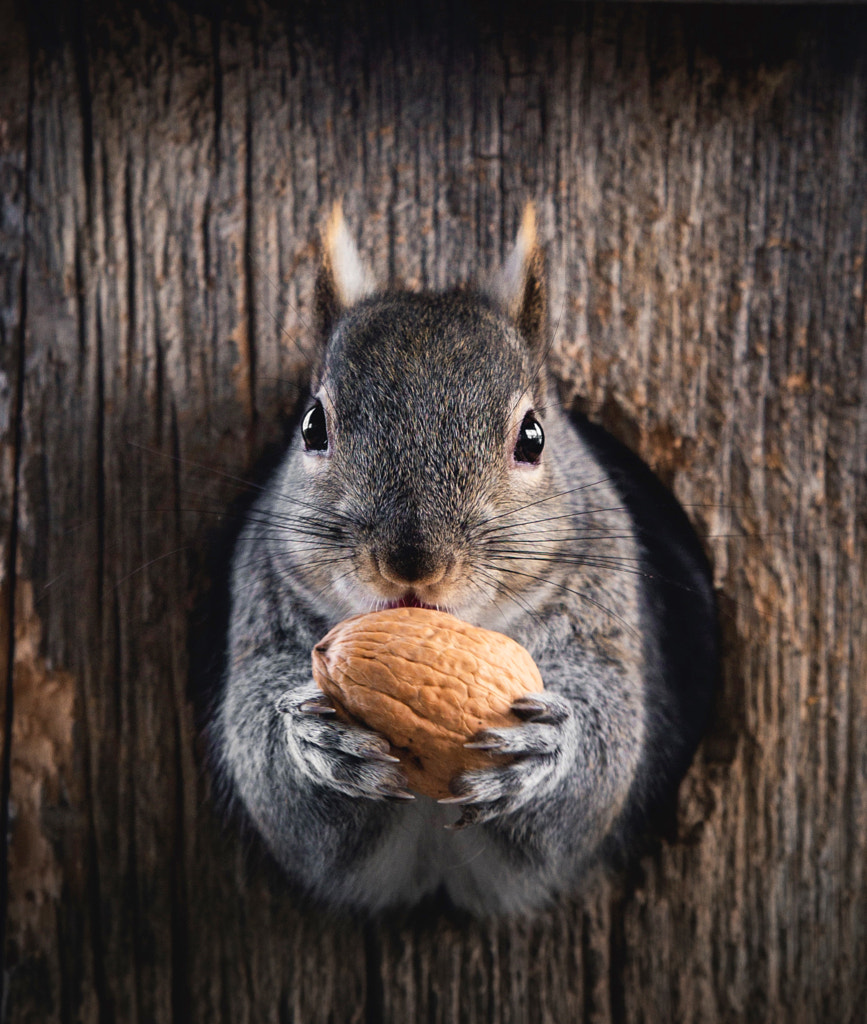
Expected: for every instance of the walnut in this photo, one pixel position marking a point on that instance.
(426, 681)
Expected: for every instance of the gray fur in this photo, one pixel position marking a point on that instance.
(419, 495)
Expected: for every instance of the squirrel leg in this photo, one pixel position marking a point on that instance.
(588, 743)
(533, 754)
(353, 760)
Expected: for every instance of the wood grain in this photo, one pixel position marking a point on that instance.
(701, 176)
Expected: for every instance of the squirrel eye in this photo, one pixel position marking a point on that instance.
(314, 430)
(531, 440)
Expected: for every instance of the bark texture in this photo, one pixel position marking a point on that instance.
(701, 176)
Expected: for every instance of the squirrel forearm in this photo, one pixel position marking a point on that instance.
(313, 831)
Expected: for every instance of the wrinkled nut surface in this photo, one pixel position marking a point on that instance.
(427, 682)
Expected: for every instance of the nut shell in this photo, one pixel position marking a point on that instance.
(426, 681)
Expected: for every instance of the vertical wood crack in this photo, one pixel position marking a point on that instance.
(17, 435)
(80, 51)
(374, 1005)
(249, 263)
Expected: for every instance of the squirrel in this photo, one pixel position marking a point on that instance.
(434, 467)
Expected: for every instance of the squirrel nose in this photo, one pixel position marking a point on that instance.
(411, 563)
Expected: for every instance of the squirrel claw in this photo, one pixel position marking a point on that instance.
(483, 744)
(532, 708)
(399, 794)
(373, 754)
(454, 799)
(528, 707)
(317, 706)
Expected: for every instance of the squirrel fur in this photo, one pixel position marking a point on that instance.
(435, 467)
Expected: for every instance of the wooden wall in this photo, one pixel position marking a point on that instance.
(701, 177)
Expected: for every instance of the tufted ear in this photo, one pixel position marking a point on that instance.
(522, 287)
(343, 278)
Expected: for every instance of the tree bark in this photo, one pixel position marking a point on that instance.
(701, 178)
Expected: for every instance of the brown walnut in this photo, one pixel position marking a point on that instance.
(428, 682)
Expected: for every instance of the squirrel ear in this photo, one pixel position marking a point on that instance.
(522, 286)
(343, 277)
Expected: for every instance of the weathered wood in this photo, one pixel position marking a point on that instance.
(13, 172)
(701, 176)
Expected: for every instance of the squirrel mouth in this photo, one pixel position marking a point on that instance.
(410, 601)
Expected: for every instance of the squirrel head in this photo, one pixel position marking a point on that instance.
(425, 420)
(519, 291)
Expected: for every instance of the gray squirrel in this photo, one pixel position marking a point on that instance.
(434, 467)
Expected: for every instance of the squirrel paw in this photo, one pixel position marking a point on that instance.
(353, 760)
(535, 749)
